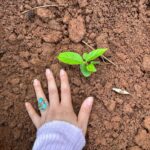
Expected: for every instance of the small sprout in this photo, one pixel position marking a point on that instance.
(86, 62)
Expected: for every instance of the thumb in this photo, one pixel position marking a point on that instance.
(84, 114)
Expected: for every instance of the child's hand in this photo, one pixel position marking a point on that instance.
(59, 109)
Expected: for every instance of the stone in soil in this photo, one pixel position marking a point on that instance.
(76, 29)
(53, 37)
(146, 63)
(147, 122)
(45, 13)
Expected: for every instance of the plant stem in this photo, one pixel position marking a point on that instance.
(103, 57)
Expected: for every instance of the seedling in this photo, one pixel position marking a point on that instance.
(87, 61)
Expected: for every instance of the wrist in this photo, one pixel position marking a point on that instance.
(61, 135)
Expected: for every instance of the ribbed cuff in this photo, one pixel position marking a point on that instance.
(59, 135)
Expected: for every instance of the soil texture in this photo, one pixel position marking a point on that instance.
(30, 42)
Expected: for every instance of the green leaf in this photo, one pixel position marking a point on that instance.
(70, 58)
(95, 54)
(85, 55)
(84, 70)
(91, 68)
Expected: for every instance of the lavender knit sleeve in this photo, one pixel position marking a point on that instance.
(59, 135)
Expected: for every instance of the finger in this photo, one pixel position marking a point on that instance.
(65, 89)
(33, 115)
(52, 89)
(39, 92)
(84, 113)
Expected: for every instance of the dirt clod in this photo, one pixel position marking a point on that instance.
(77, 29)
(12, 38)
(111, 105)
(146, 63)
(66, 17)
(30, 15)
(82, 3)
(53, 37)
(47, 49)
(41, 2)
(62, 2)
(24, 54)
(45, 13)
(127, 108)
(16, 133)
(24, 64)
(143, 139)
(147, 122)
(7, 105)
(101, 141)
(14, 81)
(54, 25)
(76, 81)
(35, 61)
(134, 148)
(102, 41)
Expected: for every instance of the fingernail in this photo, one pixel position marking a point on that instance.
(35, 82)
(26, 104)
(62, 72)
(48, 71)
(89, 101)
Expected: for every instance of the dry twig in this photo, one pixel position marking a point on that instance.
(103, 57)
(44, 6)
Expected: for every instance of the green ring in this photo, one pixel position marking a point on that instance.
(42, 105)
